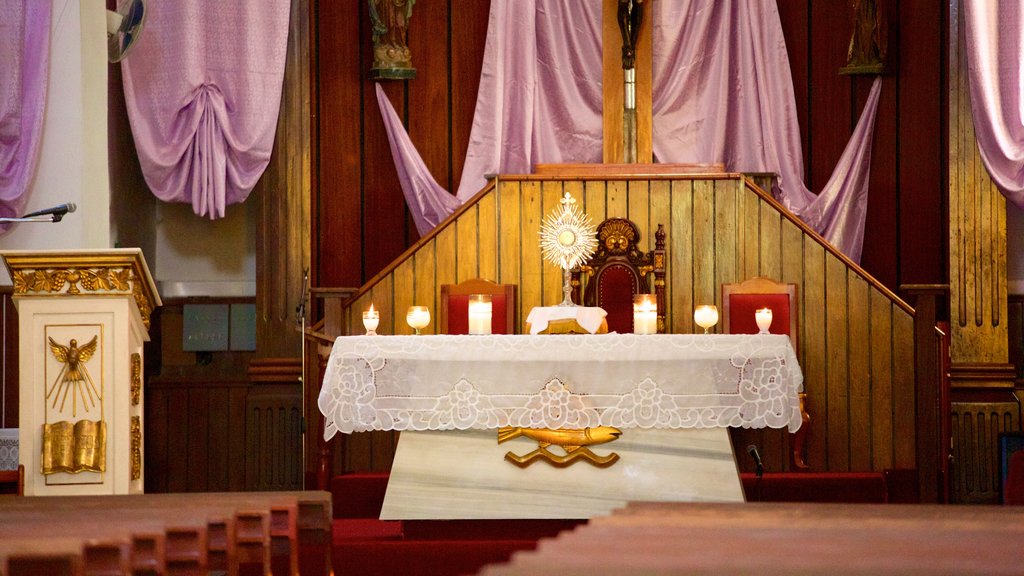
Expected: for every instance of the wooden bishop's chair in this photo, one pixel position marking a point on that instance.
(454, 316)
(619, 270)
(739, 303)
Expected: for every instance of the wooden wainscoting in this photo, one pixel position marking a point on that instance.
(856, 340)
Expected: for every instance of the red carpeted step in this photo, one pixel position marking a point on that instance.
(422, 557)
(346, 529)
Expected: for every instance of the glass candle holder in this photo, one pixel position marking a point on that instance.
(371, 318)
(763, 317)
(645, 314)
(480, 311)
(418, 317)
(706, 316)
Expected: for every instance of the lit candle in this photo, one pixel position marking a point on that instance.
(371, 318)
(418, 317)
(763, 316)
(645, 314)
(480, 314)
(706, 316)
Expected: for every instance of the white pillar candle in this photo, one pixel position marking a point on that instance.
(418, 317)
(763, 316)
(645, 315)
(480, 314)
(371, 318)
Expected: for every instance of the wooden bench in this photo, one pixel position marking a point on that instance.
(236, 533)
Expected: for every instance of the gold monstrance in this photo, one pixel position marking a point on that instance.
(567, 238)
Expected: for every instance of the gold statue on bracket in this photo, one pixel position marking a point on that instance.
(574, 442)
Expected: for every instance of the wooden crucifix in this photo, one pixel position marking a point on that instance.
(627, 82)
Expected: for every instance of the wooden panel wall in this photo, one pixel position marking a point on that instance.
(9, 386)
(360, 221)
(856, 338)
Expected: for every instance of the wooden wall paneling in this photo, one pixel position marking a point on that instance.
(814, 348)
(404, 292)
(385, 226)
(217, 466)
(882, 217)
(793, 272)
(836, 363)
(859, 346)
(272, 423)
(155, 440)
(726, 232)
(749, 215)
(510, 252)
(596, 200)
(198, 438)
(830, 109)
(771, 245)
(467, 36)
(639, 210)
(904, 450)
(881, 367)
(236, 437)
(9, 391)
(616, 199)
(531, 278)
(661, 213)
(1015, 328)
(487, 254)
(705, 290)
(428, 96)
(178, 432)
(339, 242)
(446, 272)
(383, 298)
(923, 208)
(680, 230)
(795, 18)
(466, 245)
(425, 263)
(551, 275)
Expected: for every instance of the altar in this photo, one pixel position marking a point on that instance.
(672, 396)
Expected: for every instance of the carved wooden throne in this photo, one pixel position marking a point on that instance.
(619, 270)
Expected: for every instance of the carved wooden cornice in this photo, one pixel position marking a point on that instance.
(113, 272)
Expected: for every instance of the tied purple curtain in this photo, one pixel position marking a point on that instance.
(723, 92)
(994, 35)
(203, 90)
(24, 69)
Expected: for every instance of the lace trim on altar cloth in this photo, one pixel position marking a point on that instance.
(765, 396)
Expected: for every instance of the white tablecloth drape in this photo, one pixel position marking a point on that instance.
(560, 381)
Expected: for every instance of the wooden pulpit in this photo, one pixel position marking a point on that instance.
(83, 317)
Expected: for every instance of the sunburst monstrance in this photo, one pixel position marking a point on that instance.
(567, 238)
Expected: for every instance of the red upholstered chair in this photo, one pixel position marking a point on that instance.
(454, 317)
(619, 270)
(740, 301)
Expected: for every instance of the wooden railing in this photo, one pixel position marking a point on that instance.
(856, 336)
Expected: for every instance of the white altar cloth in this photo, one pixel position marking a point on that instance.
(560, 381)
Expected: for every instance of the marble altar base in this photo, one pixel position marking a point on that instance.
(450, 475)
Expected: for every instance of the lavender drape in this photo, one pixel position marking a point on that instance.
(723, 92)
(203, 91)
(24, 70)
(994, 37)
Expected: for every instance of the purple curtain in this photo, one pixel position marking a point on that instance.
(24, 69)
(994, 36)
(203, 90)
(723, 92)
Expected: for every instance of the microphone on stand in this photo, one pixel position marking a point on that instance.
(752, 450)
(57, 212)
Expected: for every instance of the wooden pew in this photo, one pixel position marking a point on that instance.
(236, 533)
(661, 538)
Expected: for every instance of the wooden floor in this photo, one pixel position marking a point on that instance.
(764, 538)
(196, 533)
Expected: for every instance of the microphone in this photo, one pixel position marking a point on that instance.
(752, 450)
(57, 212)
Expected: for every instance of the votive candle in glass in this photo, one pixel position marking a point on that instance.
(645, 314)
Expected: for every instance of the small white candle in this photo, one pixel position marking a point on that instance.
(763, 316)
(706, 316)
(645, 315)
(418, 317)
(480, 314)
(371, 318)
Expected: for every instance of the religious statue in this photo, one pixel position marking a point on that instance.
(867, 50)
(391, 56)
(631, 14)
